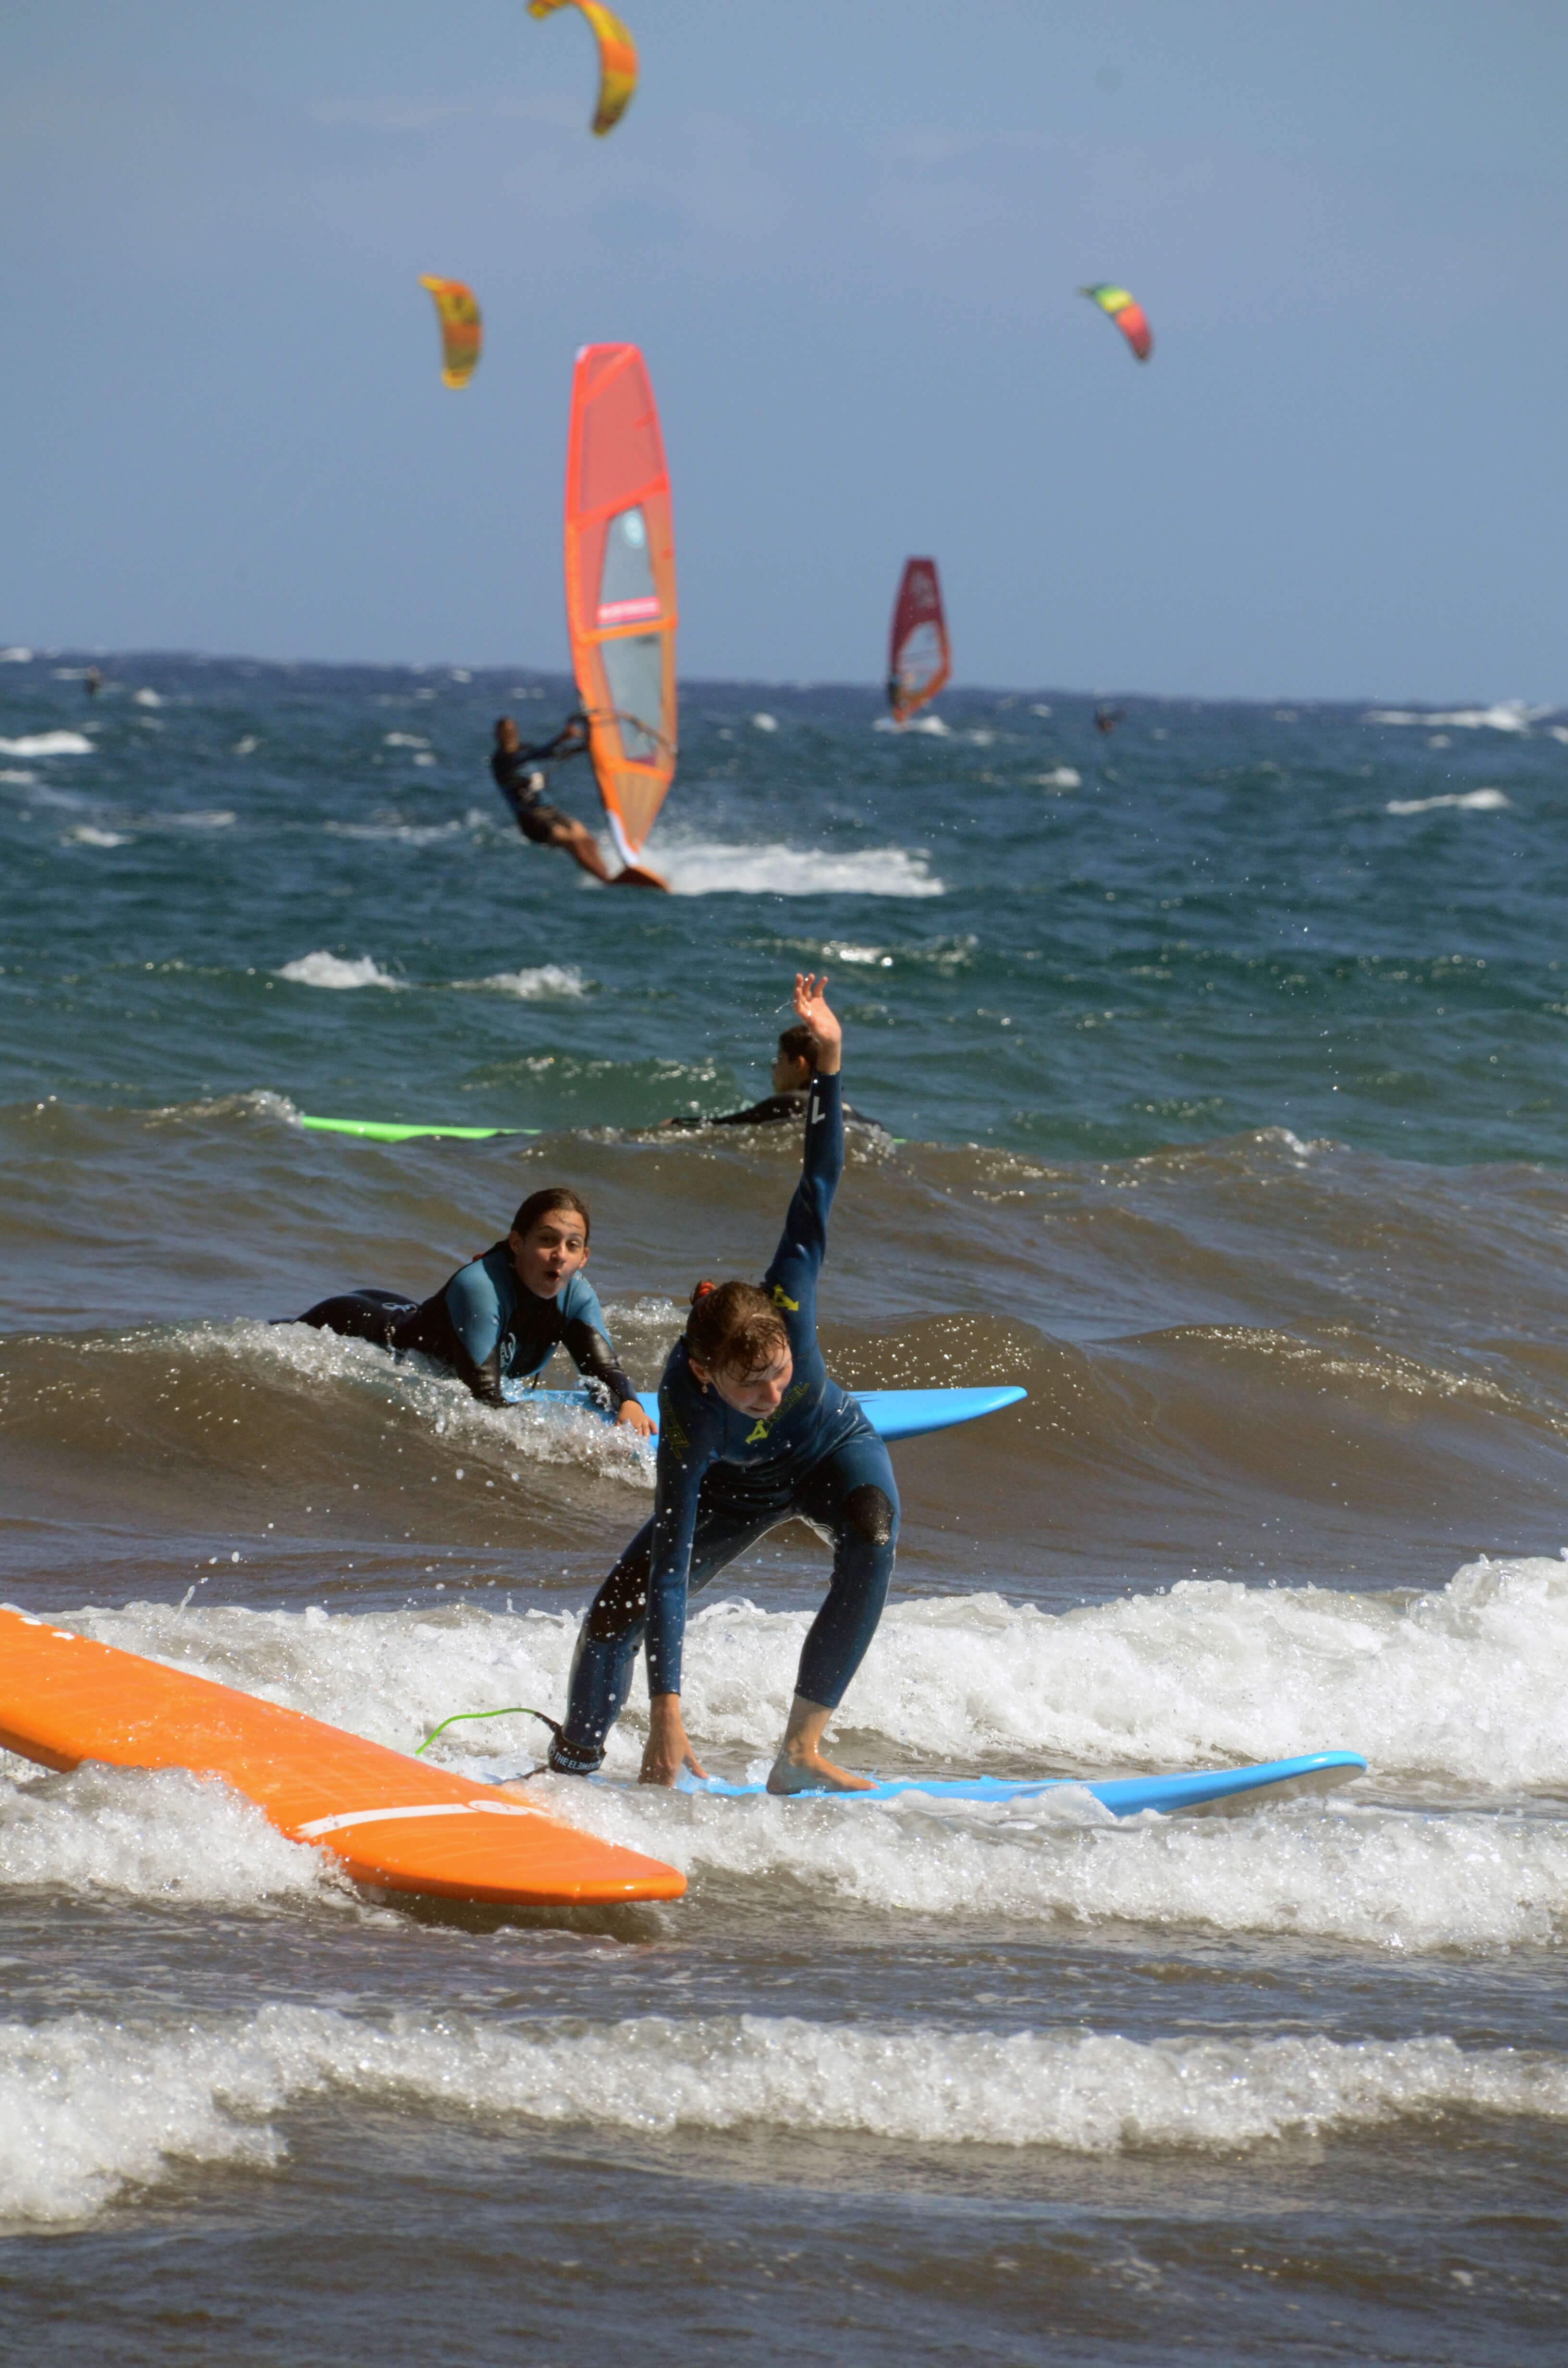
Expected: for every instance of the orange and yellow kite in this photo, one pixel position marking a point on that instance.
(463, 332)
(618, 57)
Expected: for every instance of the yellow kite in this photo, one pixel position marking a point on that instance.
(618, 57)
(463, 332)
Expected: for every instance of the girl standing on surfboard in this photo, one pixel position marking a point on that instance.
(752, 1432)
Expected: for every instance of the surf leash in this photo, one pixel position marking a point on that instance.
(516, 1710)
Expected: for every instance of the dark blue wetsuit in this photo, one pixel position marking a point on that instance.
(486, 1325)
(725, 1479)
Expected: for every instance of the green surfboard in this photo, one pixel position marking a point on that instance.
(379, 1129)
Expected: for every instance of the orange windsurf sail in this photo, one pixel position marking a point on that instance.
(620, 587)
(919, 660)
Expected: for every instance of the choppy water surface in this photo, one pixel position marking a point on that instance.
(1228, 1057)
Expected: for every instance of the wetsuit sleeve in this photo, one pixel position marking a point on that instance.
(473, 1313)
(687, 1448)
(797, 1262)
(587, 1342)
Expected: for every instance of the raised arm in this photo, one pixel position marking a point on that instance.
(803, 1245)
(811, 1007)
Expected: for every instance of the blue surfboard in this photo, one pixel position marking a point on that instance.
(1126, 1796)
(893, 1413)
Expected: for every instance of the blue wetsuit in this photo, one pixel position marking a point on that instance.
(486, 1325)
(725, 1479)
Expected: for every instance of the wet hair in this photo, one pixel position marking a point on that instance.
(502, 721)
(734, 1328)
(540, 1204)
(798, 1043)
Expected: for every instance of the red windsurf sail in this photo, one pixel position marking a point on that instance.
(620, 587)
(919, 660)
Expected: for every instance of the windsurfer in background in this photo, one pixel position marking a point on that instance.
(522, 784)
(752, 1432)
(794, 1066)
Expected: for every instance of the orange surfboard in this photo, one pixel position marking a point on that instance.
(620, 589)
(392, 1821)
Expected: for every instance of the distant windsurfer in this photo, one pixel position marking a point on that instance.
(794, 1066)
(517, 775)
(752, 1432)
(500, 1317)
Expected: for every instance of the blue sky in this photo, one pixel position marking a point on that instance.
(846, 233)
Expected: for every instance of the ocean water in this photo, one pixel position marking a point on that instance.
(1227, 1057)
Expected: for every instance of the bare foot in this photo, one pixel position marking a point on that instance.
(798, 1770)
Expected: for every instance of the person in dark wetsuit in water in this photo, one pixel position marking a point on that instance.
(500, 1317)
(794, 1066)
(516, 775)
(752, 1432)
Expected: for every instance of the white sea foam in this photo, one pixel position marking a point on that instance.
(1463, 1686)
(404, 740)
(89, 2107)
(401, 834)
(764, 723)
(20, 780)
(146, 698)
(1465, 1682)
(88, 833)
(16, 656)
(694, 869)
(931, 725)
(1506, 716)
(552, 981)
(47, 744)
(332, 970)
(257, 1101)
(1060, 776)
(499, 1439)
(161, 1834)
(1471, 801)
(1386, 1880)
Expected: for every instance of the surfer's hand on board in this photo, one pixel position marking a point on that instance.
(635, 1418)
(667, 1751)
(811, 1006)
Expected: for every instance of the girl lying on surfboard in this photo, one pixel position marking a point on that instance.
(751, 1433)
(499, 1317)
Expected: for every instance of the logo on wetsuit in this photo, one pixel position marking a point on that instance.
(790, 1398)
